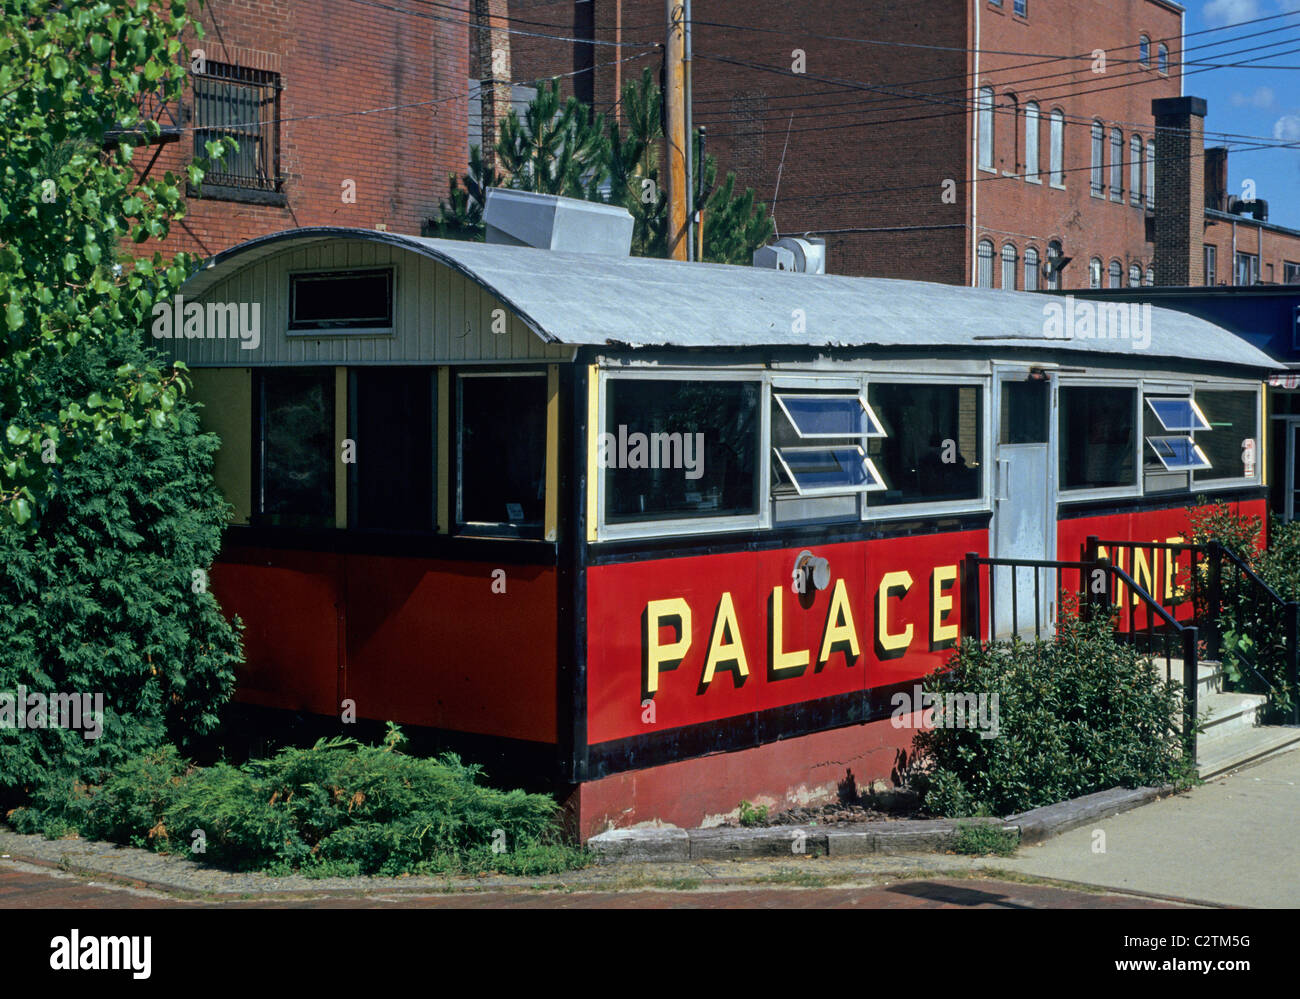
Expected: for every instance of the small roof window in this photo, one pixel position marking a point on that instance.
(1178, 415)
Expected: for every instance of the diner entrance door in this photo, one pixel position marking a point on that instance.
(1024, 501)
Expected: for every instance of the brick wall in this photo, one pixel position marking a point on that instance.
(336, 56)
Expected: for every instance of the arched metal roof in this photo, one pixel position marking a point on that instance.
(590, 300)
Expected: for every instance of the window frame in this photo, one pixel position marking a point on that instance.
(1117, 165)
(318, 332)
(1097, 174)
(268, 190)
(760, 520)
(986, 129)
(980, 258)
(1162, 59)
(1085, 493)
(1056, 149)
(1135, 171)
(457, 526)
(941, 508)
(1032, 274)
(1144, 51)
(1261, 428)
(1033, 164)
(1010, 265)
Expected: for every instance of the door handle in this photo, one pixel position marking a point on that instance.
(1000, 465)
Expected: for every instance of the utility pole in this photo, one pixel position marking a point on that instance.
(676, 144)
(690, 133)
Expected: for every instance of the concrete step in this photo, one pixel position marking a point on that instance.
(1244, 746)
(1210, 676)
(1227, 714)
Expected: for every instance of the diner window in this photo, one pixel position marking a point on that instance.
(1168, 422)
(984, 264)
(501, 452)
(1232, 443)
(1024, 412)
(1098, 159)
(1116, 165)
(1008, 267)
(296, 450)
(1031, 143)
(341, 301)
(817, 440)
(933, 448)
(1097, 437)
(234, 102)
(392, 428)
(675, 450)
(1031, 269)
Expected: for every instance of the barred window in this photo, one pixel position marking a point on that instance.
(1116, 165)
(1135, 170)
(1115, 273)
(984, 271)
(1098, 159)
(244, 105)
(1008, 267)
(1094, 272)
(1031, 268)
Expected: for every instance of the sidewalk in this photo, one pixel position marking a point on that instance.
(1234, 841)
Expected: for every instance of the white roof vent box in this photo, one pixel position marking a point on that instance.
(793, 253)
(550, 222)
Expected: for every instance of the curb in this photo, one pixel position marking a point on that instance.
(673, 845)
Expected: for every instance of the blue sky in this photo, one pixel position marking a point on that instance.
(1256, 102)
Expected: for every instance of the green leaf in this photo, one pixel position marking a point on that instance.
(21, 510)
(17, 435)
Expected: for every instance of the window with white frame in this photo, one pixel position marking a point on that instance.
(1144, 50)
(1135, 170)
(1094, 272)
(984, 264)
(1151, 174)
(1169, 451)
(1008, 267)
(1162, 58)
(985, 114)
(932, 447)
(1134, 276)
(1290, 272)
(817, 443)
(1056, 152)
(1021, 7)
(680, 449)
(1098, 159)
(1115, 274)
(1031, 143)
(1150, 278)
(1116, 165)
(1247, 272)
(1031, 268)
(1097, 436)
(1232, 445)
(1211, 262)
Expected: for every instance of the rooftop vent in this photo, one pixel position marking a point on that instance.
(550, 222)
(791, 253)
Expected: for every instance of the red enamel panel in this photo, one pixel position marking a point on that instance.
(620, 598)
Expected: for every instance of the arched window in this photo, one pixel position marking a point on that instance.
(985, 111)
(1094, 272)
(1115, 274)
(1162, 58)
(1031, 142)
(1053, 265)
(1008, 267)
(1134, 276)
(984, 264)
(1116, 165)
(1151, 175)
(1056, 151)
(1150, 277)
(1135, 170)
(1011, 129)
(1031, 268)
(1098, 159)
(1144, 50)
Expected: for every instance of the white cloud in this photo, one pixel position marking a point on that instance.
(1261, 98)
(1230, 11)
(1287, 128)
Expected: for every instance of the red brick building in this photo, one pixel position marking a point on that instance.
(939, 140)
(289, 81)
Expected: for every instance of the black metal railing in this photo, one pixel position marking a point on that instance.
(1097, 585)
(152, 108)
(1247, 624)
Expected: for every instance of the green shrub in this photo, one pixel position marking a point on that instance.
(103, 597)
(338, 807)
(752, 815)
(1078, 713)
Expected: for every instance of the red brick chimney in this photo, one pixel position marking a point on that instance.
(1180, 190)
(489, 65)
(1216, 178)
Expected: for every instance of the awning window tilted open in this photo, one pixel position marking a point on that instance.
(829, 468)
(1179, 415)
(1178, 454)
